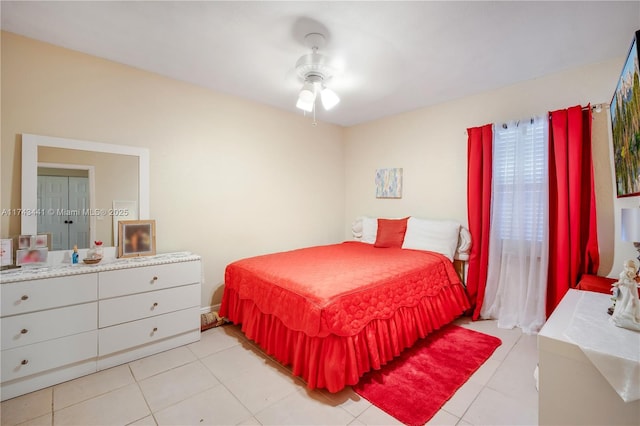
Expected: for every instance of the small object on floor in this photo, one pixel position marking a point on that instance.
(210, 320)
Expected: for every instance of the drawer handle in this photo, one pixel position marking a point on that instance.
(24, 297)
(155, 279)
(24, 331)
(155, 305)
(155, 329)
(25, 362)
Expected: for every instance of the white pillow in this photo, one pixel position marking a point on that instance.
(369, 230)
(440, 236)
(464, 245)
(356, 229)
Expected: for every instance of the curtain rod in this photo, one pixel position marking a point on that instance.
(594, 107)
(597, 107)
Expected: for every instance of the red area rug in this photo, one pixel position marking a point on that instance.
(414, 386)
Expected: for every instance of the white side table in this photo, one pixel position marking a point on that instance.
(572, 391)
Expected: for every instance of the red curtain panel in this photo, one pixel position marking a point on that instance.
(479, 155)
(573, 240)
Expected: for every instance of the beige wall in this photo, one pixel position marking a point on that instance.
(229, 178)
(431, 146)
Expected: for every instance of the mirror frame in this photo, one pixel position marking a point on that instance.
(30, 144)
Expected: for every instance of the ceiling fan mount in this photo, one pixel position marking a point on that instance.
(315, 40)
(314, 64)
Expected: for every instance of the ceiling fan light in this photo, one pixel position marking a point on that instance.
(304, 105)
(308, 93)
(329, 98)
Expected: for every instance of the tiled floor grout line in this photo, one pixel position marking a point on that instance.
(219, 382)
(198, 360)
(53, 398)
(143, 396)
(485, 385)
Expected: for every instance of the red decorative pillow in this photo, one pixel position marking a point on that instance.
(391, 232)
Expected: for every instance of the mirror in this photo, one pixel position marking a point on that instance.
(109, 180)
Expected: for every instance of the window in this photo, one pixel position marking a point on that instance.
(520, 179)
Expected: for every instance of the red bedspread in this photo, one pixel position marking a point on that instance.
(336, 311)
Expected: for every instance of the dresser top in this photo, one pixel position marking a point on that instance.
(48, 271)
(581, 319)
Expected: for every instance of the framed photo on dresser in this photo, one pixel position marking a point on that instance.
(136, 238)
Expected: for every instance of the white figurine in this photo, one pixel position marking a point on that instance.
(626, 313)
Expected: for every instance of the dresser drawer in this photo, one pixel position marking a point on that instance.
(35, 295)
(147, 278)
(144, 305)
(27, 329)
(148, 330)
(39, 357)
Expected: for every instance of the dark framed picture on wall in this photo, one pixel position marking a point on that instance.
(136, 238)
(625, 124)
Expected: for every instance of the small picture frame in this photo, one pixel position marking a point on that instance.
(6, 252)
(136, 238)
(41, 241)
(24, 241)
(32, 256)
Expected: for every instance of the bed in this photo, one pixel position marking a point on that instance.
(336, 311)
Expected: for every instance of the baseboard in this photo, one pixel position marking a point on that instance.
(211, 308)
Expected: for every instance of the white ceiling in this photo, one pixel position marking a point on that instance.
(394, 56)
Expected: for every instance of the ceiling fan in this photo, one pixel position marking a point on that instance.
(315, 70)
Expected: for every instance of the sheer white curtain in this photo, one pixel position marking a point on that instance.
(519, 239)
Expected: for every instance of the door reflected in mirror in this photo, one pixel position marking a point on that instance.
(64, 195)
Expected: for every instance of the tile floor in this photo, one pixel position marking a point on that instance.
(225, 379)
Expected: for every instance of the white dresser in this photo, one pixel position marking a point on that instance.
(58, 323)
(581, 380)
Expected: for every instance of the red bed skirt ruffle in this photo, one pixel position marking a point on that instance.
(333, 362)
